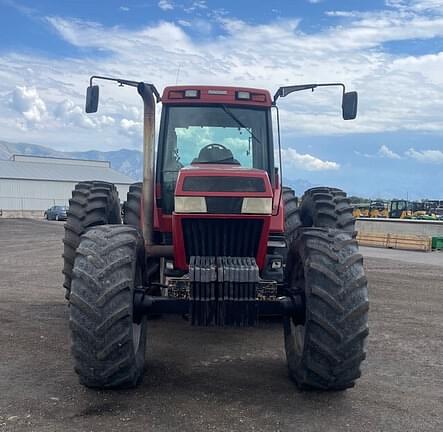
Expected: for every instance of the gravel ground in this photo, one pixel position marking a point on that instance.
(215, 380)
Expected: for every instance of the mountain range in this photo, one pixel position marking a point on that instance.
(126, 161)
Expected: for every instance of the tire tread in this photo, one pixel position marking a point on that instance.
(101, 305)
(336, 323)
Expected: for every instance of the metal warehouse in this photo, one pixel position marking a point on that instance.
(33, 183)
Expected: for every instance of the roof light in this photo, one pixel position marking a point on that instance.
(175, 94)
(217, 92)
(257, 97)
(243, 95)
(192, 94)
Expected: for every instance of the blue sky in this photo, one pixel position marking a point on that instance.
(390, 51)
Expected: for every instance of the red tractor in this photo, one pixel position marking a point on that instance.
(213, 236)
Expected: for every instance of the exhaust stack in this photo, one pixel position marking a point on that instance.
(146, 93)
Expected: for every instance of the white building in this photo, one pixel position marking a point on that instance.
(34, 183)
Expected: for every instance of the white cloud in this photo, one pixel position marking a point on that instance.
(339, 13)
(396, 92)
(372, 30)
(416, 5)
(200, 4)
(28, 102)
(386, 152)
(130, 127)
(129, 124)
(291, 158)
(426, 156)
(184, 23)
(71, 114)
(124, 8)
(196, 6)
(202, 26)
(166, 5)
(106, 121)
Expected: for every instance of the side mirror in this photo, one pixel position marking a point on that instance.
(91, 99)
(349, 105)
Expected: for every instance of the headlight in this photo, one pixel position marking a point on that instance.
(190, 204)
(276, 243)
(257, 205)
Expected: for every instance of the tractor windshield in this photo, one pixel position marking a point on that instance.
(212, 134)
(242, 131)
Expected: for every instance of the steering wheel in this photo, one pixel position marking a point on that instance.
(214, 146)
(216, 153)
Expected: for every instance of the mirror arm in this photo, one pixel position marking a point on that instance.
(280, 174)
(128, 83)
(285, 91)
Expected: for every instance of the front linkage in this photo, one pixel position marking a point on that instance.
(222, 291)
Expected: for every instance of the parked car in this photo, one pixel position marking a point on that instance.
(56, 213)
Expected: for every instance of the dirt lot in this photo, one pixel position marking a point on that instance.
(206, 379)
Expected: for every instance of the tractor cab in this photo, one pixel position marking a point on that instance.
(399, 208)
(212, 126)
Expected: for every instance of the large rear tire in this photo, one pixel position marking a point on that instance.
(93, 203)
(326, 345)
(108, 347)
(132, 216)
(325, 207)
(132, 209)
(292, 214)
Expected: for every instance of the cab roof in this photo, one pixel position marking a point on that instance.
(202, 95)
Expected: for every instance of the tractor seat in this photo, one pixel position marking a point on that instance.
(215, 154)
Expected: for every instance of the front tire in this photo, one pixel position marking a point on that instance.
(326, 345)
(108, 347)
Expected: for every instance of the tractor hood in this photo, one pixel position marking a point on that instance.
(221, 210)
(221, 180)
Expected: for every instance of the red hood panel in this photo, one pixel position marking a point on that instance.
(220, 170)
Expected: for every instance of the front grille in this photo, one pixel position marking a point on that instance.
(224, 205)
(221, 237)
